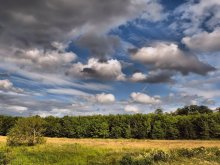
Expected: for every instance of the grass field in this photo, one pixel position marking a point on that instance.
(64, 151)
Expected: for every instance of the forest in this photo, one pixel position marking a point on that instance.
(189, 122)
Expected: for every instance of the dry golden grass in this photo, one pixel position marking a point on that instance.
(137, 144)
(132, 143)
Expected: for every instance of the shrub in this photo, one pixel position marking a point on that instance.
(217, 153)
(126, 160)
(184, 152)
(160, 155)
(27, 131)
(199, 150)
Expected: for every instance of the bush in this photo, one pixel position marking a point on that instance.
(160, 155)
(217, 153)
(199, 150)
(27, 131)
(126, 160)
(184, 152)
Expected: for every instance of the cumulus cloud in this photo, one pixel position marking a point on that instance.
(170, 57)
(138, 77)
(144, 98)
(155, 76)
(40, 59)
(204, 41)
(106, 70)
(131, 109)
(7, 85)
(105, 98)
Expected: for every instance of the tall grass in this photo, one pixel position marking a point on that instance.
(82, 154)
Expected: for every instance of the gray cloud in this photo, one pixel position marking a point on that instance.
(155, 76)
(42, 25)
(99, 45)
(204, 41)
(170, 57)
(40, 22)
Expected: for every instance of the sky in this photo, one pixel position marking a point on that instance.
(86, 57)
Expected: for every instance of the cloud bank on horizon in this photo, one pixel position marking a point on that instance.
(80, 57)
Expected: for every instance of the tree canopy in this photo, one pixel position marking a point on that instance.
(191, 122)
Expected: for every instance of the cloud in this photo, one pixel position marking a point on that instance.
(105, 98)
(155, 76)
(204, 41)
(106, 70)
(19, 109)
(144, 98)
(99, 45)
(192, 16)
(170, 57)
(180, 99)
(131, 109)
(7, 85)
(62, 20)
(40, 59)
(67, 91)
(138, 77)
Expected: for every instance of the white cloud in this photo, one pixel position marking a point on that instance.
(109, 70)
(19, 109)
(169, 56)
(46, 60)
(200, 14)
(67, 91)
(105, 98)
(5, 84)
(131, 108)
(204, 41)
(138, 77)
(144, 98)
(8, 86)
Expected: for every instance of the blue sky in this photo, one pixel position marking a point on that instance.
(79, 57)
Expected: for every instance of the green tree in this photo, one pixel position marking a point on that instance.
(186, 128)
(27, 131)
(158, 111)
(53, 127)
(157, 130)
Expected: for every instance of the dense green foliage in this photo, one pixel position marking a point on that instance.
(26, 131)
(190, 122)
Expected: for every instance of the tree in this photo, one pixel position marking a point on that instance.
(157, 130)
(27, 131)
(193, 109)
(158, 111)
(53, 127)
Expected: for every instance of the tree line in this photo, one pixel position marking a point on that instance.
(189, 122)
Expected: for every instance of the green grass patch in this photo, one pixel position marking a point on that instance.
(75, 154)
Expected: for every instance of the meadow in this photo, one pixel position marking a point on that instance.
(65, 151)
